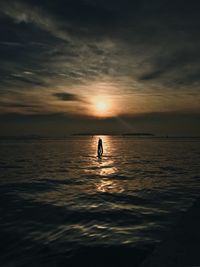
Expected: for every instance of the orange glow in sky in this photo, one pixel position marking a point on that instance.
(101, 107)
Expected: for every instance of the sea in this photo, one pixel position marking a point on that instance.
(61, 205)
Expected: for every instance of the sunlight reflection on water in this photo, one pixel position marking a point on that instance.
(109, 186)
(59, 191)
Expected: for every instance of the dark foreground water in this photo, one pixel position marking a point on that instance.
(62, 206)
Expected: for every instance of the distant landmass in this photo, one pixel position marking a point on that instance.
(139, 134)
(123, 134)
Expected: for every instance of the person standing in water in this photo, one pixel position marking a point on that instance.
(100, 148)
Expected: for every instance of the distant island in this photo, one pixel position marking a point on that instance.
(139, 134)
(123, 134)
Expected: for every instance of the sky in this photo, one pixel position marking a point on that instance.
(99, 66)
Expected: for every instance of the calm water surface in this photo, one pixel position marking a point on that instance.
(57, 193)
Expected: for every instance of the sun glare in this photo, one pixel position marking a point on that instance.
(101, 106)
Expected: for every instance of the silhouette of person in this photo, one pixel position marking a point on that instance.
(100, 148)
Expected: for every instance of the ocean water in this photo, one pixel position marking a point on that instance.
(60, 202)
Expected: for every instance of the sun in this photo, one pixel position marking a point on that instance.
(101, 106)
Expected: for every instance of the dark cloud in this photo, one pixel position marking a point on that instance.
(17, 105)
(67, 97)
(149, 39)
(55, 124)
